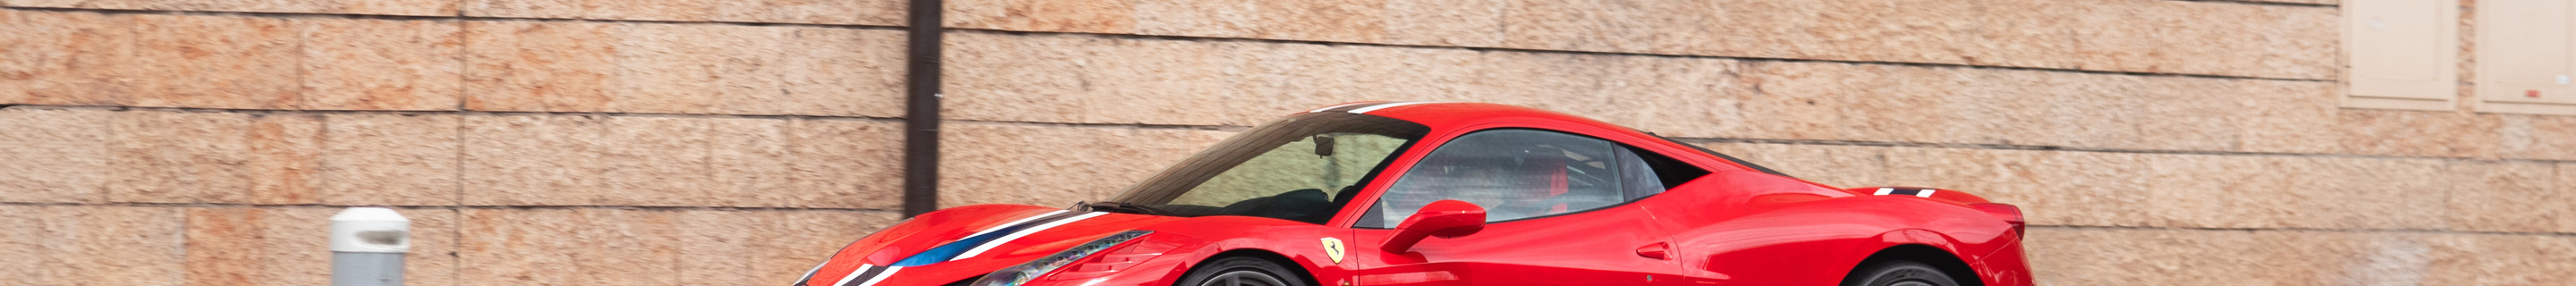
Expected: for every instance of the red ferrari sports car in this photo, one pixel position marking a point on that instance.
(1409, 193)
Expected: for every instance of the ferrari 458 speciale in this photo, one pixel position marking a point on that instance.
(1410, 193)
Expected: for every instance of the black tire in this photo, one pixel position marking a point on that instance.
(1241, 271)
(1898, 273)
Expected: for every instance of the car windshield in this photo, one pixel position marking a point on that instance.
(1302, 168)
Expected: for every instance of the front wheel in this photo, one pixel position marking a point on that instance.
(1241, 271)
(1899, 273)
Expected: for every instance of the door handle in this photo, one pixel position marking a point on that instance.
(1657, 250)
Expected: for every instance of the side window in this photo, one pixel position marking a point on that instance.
(1644, 173)
(1636, 178)
(1516, 174)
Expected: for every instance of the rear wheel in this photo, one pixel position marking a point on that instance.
(1899, 273)
(1241, 271)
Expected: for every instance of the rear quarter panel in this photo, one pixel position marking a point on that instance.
(1749, 228)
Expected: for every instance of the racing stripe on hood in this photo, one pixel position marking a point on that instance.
(1344, 105)
(865, 275)
(979, 249)
(1041, 218)
(1365, 110)
(879, 276)
(869, 275)
(951, 250)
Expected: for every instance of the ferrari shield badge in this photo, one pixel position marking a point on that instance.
(1333, 249)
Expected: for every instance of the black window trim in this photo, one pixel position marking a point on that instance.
(1738, 161)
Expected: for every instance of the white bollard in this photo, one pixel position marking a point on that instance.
(367, 246)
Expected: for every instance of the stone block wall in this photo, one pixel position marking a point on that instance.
(205, 142)
(736, 142)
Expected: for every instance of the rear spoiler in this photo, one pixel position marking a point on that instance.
(2009, 213)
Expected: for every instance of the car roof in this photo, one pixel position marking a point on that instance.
(1440, 115)
(1452, 115)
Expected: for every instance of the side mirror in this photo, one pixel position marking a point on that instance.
(1444, 218)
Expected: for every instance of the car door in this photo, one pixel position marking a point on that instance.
(1556, 212)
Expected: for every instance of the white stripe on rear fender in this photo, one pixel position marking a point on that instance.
(1926, 193)
(1384, 106)
(1024, 232)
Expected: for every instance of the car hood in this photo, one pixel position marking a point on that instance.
(982, 238)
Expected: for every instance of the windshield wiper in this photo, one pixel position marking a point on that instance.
(1128, 208)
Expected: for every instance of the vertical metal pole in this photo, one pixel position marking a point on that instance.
(367, 246)
(921, 110)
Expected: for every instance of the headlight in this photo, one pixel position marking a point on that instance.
(1016, 275)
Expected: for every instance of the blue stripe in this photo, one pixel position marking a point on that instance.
(944, 253)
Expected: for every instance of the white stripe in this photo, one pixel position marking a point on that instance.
(1884, 191)
(1384, 106)
(999, 240)
(854, 274)
(1926, 193)
(1023, 232)
(1340, 106)
(881, 276)
(1016, 222)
